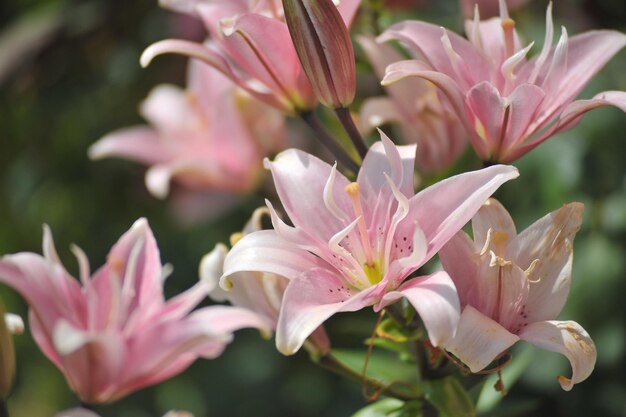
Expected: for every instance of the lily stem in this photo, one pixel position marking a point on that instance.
(329, 142)
(332, 364)
(355, 136)
(4, 411)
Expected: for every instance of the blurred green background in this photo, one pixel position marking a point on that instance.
(69, 74)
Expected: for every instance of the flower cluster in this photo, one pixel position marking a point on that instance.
(344, 236)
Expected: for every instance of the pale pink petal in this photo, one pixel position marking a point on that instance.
(137, 249)
(587, 54)
(479, 340)
(397, 162)
(458, 258)
(305, 205)
(311, 299)
(265, 251)
(380, 56)
(162, 351)
(485, 112)
(139, 143)
(378, 111)
(523, 107)
(492, 215)
(348, 9)
(569, 339)
(441, 210)
(167, 108)
(92, 363)
(425, 39)
(159, 177)
(272, 61)
(450, 89)
(47, 288)
(191, 49)
(571, 115)
(436, 301)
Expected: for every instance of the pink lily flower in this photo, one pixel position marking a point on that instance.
(254, 48)
(212, 136)
(513, 286)
(116, 334)
(260, 292)
(355, 244)
(508, 104)
(413, 103)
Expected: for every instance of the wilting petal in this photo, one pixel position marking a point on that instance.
(442, 209)
(492, 215)
(569, 339)
(435, 299)
(311, 299)
(305, 205)
(479, 340)
(548, 244)
(265, 251)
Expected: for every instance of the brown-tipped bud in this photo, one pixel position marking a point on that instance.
(8, 324)
(323, 44)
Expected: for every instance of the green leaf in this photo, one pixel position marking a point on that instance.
(383, 366)
(388, 407)
(449, 397)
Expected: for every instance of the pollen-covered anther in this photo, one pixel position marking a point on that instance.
(530, 270)
(235, 237)
(499, 261)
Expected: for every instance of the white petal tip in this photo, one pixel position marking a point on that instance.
(147, 56)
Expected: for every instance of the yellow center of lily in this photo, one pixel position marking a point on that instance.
(373, 272)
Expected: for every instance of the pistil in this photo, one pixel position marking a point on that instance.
(353, 192)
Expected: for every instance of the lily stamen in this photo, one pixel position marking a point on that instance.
(353, 192)
(508, 27)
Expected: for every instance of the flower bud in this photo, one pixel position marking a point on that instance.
(323, 45)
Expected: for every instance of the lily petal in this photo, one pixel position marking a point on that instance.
(311, 299)
(305, 205)
(569, 339)
(265, 251)
(436, 301)
(479, 340)
(443, 209)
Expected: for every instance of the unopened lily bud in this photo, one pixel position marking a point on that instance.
(7, 351)
(323, 45)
